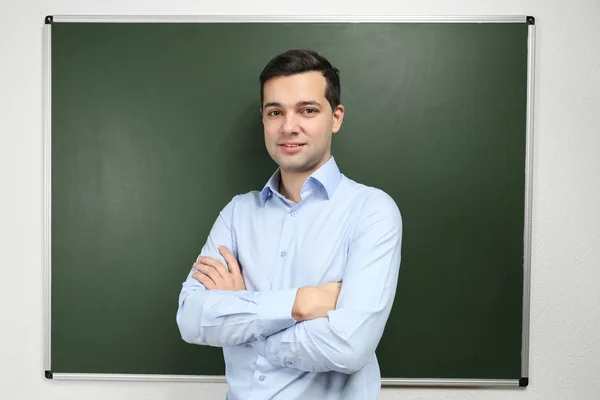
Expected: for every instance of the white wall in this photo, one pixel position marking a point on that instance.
(565, 302)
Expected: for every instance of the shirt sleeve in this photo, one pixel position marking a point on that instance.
(227, 318)
(346, 339)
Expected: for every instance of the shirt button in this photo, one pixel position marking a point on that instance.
(289, 363)
(283, 253)
(293, 213)
(261, 378)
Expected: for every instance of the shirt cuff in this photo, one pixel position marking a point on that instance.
(275, 311)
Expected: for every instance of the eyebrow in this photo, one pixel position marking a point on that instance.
(298, 104)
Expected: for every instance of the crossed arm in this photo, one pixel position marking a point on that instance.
(303, 328)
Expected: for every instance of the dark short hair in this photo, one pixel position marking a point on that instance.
(298, 61)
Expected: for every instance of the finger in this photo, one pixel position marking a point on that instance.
(209, 270)
(205, 280)
(216, 264)
(234, 267)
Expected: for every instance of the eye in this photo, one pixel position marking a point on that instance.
(274, 113)
(310, 111)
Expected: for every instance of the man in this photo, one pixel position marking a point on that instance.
(320, 256)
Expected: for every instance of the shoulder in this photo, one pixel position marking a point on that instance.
(369, 200)
(242, 201)
(248, 199)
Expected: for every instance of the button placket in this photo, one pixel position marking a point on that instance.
(285, 240)
(260, 375)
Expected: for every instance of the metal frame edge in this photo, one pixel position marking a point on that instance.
(528, 202)
(290, 18)
(388, 382)
(438, 383)
(47, 185)
(221, 379)
(139, 377)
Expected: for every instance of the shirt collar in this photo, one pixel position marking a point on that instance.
(328, 176)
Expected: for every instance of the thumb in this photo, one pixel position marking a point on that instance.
(232, 263)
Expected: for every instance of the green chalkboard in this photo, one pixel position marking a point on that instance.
(156, 126)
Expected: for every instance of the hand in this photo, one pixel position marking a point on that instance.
(315, 301)
(215, 276)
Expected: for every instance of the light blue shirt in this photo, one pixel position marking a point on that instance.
(341, 231)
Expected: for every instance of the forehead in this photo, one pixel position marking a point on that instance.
(293, 88)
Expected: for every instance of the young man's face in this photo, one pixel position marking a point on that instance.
(298, 121)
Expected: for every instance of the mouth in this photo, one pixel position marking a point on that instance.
(291, 147)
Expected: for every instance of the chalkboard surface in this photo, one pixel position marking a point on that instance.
(156, 126)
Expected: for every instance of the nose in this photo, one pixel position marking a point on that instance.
(290, 125)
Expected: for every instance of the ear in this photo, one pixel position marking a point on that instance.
(261, 115)
(338, 118)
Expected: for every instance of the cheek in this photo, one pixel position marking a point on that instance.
(318, 129)
(271, 144)
(270, 132)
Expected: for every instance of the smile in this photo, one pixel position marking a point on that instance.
(291, 148)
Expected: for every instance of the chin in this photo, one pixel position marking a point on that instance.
(297, 165)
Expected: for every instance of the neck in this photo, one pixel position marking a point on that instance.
(292, 181)
(291, 184)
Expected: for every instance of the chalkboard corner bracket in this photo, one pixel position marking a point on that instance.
(530, 20)
(48, 19)
(48, 374)
(523, 382)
